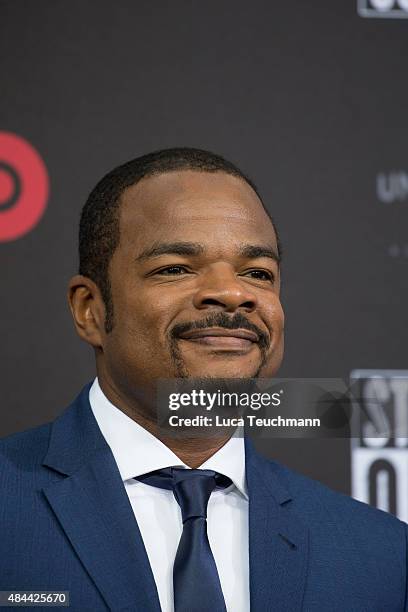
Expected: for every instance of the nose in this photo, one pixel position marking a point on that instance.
(221, 289)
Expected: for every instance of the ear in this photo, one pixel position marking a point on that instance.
(87, 308)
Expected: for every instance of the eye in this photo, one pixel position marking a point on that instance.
(263, 275)
(172, 271)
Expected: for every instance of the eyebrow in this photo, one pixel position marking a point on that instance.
(171, 248)
(250, 251)
(253, 251)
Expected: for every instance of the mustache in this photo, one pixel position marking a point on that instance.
(220, 319)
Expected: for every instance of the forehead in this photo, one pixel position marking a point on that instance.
(188, 204)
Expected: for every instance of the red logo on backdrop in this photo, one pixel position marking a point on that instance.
(24, 187)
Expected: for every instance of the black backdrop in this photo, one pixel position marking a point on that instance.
(310, 98)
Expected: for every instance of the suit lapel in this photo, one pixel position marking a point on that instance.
(93, 509)
(278, 541)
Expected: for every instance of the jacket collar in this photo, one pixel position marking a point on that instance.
(278, 539)
(75, 437)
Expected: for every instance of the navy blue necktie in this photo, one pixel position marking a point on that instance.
(196, 582)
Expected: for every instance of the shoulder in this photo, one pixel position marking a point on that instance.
(323, 508)
(24, 450)
(27, 449)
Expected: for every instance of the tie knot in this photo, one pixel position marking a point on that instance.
(191, 488)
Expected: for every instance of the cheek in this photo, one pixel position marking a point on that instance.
(145, 315)
(280, 315)
(274, 315)
(137, 346)
(275, 319)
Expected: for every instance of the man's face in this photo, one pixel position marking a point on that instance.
(194, 283)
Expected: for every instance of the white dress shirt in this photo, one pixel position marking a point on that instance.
(158, 515)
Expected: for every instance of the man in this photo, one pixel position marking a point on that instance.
(179, 278)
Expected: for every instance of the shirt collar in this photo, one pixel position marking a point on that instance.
(137, 451)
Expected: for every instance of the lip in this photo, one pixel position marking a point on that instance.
(220, 332)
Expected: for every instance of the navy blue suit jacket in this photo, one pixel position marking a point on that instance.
(66, 524)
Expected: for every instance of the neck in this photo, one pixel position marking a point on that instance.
(193, 451)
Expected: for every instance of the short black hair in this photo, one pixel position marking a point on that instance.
(99, 224)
